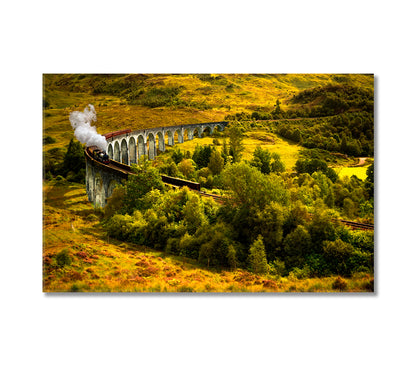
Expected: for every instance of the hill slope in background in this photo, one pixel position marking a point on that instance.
(147, 100)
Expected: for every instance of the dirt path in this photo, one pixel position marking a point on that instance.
(362, 161)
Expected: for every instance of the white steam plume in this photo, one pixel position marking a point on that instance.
(84, 132)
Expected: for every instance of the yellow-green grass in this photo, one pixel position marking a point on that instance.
(101, 264)
(359, 171)
(288, 151)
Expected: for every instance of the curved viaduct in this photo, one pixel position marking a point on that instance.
(126, 149)
(129, 147)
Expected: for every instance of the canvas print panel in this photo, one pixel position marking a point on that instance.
(208, 183)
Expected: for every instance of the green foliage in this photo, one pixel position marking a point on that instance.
(52, 162)
(296, 247)
(115, 202)
(186, 167)
(257, 258)
(177, 155)
(232, 257)
(336, 254)
(336, 99)
(169, 168)
(194, 216)
(250, 188)
(201, 156)
(269, 224)
(155, 97)
(313, 165)
(277, 165)
(63, 258)
(369, 182)
(74, 158)
(236, 147)
(69, 164)
(277, 267)
(216, 162)
(262, 160)
(138, 185)
(48, 140)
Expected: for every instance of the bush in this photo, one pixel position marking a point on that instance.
(48, 140)
(257, 258)
(339, 284)
(337, 255)
(63, 258)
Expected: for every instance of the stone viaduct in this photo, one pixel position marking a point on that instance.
(126, 149)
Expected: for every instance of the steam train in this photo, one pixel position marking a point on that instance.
(99, 155)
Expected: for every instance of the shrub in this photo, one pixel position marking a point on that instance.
(232, 257)
(63, 258)
(48, 140)
(339, 284)
(277, 267)
(337, 255)
(257, 257)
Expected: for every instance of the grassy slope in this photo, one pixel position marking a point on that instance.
(359, 172)
(226, 95)
(287, 150)
(100, 264)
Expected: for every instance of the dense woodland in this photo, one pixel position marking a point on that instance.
(272, 220)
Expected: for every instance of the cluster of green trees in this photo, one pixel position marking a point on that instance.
(206, 162)
(334, 99)
(349, 133)
(69, 164)
(268, 222)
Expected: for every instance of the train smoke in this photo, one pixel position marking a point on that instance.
(84, 132)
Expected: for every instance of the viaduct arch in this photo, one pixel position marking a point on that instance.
(126, 149)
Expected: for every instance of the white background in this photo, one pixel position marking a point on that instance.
(223, 333)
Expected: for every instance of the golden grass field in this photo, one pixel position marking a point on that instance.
(359, 172)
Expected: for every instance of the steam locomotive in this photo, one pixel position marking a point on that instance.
(99, 155)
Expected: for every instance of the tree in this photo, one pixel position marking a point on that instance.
(236, 143)
(336, 255)
(139, 184)
(252, 189)
(257, 260)
(232, 257)
(296, 246)
(186, 167)
(216, 162)
(194, 216)
(202, 155)
(74, 160)
(277, 164)
(277, 111)
(177, 155)
(225, 152)
(369, 182)
(261, 160)
(268, 223)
